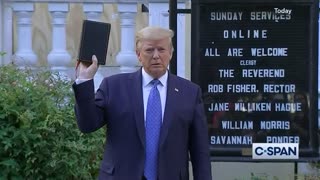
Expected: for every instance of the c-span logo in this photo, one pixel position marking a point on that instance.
(275, 150)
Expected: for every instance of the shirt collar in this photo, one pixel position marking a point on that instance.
(146, 78)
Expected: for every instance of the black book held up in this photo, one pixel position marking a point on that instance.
(94, 41)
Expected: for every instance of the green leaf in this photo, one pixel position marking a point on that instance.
(9, 162)
(2, 53)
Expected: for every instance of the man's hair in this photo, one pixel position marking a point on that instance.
(153, 33)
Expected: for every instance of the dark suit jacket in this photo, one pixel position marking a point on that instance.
(118, 103)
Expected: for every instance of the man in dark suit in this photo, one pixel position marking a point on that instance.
(155, 120)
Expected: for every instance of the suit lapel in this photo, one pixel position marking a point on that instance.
(137, 102)
(169, 108)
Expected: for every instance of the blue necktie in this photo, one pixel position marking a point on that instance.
(153, 126)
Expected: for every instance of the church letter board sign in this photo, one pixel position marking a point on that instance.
(256, 62)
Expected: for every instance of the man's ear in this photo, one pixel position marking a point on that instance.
(171, 55)
(138, 54)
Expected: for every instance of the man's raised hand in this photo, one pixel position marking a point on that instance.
(85, 70)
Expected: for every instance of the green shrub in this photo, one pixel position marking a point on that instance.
(39, 138)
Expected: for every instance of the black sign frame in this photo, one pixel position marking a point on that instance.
(198, 62)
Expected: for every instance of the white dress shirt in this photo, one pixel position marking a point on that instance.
(79, 81)
(146, 88)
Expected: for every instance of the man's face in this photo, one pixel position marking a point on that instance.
(155, 56)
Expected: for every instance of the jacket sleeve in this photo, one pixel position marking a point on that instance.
(90, 107)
